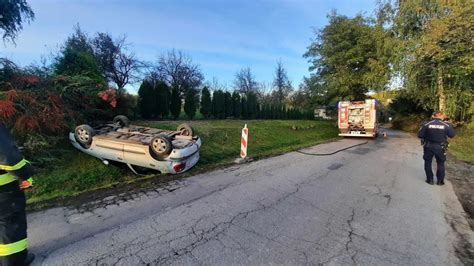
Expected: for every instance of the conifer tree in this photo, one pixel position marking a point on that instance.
(206, 103)
(175, 104)
(146, 99)
(228, 104)
(162, 95)
(245, 111)
(218, 104)
(237, 105)
(190, 103)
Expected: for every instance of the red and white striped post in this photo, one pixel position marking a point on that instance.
(244, 142)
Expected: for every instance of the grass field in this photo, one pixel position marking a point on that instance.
(462, 146)
(76, 172)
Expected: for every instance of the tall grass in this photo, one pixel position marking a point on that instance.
(462, 146)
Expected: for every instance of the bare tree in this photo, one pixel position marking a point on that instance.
(245, 81)
(215, 85)
(281, 83)
(117, 64)
(264, 93)
(302, 97)
(127, 69)
(178, 71)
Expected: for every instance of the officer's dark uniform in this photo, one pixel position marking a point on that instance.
(13, 169)
(435, 135)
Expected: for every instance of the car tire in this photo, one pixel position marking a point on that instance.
(83, 135)
(160, 146)
(122, 120)
(186, 130)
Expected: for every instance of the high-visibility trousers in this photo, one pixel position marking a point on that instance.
(13, 238)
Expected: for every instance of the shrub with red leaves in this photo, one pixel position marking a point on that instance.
(25, 81)
(7, 108)
(32, 112)
(109, 96)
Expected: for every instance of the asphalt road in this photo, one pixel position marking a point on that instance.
(365, 205)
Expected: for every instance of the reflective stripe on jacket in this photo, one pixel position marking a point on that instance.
(11, 159)
(15, 167)
(6, 179)
(9, 176)
(12, 248)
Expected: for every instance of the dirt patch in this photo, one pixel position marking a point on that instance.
(461, 175)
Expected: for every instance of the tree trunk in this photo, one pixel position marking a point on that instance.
(440, 93)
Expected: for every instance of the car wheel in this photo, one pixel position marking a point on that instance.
(83, 134)
(160, 146)
(122, 120)
(186, 130)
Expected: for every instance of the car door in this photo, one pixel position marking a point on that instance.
(108, 150)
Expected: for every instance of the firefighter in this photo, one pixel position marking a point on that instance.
(434, 138)
(15, 176)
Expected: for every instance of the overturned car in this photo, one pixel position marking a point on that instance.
(139, 147)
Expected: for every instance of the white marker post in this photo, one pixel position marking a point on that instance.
(244, 142)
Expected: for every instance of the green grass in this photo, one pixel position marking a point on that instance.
(73, 176)
(76, 172)
(462, 145)
(221, 138)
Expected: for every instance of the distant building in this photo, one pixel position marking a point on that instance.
(321, 113)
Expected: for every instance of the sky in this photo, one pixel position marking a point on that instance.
(221, 36)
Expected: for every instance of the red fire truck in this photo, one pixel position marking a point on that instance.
(358, 118)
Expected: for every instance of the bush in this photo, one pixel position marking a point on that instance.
(409, 123)
(32, 112)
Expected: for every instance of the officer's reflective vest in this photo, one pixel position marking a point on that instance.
(7, 178)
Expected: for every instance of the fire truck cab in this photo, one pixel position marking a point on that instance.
(358, 118)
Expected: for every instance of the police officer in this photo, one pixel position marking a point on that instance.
(15, 175)
(434, 135)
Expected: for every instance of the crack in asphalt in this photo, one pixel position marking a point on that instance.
(203, 236)
(389, 199)
(350, 234)
(184, 241)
